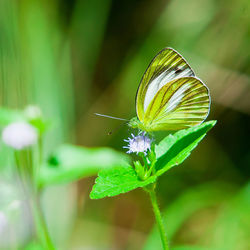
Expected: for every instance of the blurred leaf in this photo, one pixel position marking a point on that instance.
(231, 229)
(174, 149)
(191, 201)
(190, 247)
(41, 124)
(121, 179)
(89, 16)
(71, 163)
(48, 69)
(9, 115)
(34, 246)
(11, 75)
(87, 33)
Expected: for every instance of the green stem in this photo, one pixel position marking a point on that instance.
(40, 145)
(30, 190)
(39, 160)
(158, 218)
(20, 172)
(144, 160)
(41, 226)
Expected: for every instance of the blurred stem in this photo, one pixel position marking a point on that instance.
(30, 190)
(20, 171)
(40, 158)
(30, 165)
(158, 217)
(41, 226)
(40, 145)
(18, 165)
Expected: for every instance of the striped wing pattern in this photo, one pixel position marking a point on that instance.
(181, 103)
(166, 66)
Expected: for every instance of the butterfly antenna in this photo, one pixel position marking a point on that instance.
(116, 129)
(111, 117)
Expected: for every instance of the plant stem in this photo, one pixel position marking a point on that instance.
(41, 225)
(158, 218)
(39, 159)
(30, 191)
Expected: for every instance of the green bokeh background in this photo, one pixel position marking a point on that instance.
(75, 58)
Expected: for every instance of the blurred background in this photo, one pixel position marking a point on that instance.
(73, 58)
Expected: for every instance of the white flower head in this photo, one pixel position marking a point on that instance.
(33, 112)
(19, 135)
(137, 144)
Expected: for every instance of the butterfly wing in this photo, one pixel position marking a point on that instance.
(166, 66)
(179, 104)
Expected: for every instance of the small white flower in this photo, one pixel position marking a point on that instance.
(33, 112)
(19, 135)
(137, 144)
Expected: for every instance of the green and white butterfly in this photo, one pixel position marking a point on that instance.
(170, 96)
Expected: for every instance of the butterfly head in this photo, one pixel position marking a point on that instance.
(135, 123)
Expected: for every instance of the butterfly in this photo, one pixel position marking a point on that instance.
(170, 96)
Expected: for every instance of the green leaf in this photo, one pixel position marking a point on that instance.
(9, 115)
(171, 151)
(114, 181)
(40, 124)
(71, 163)
(231, 227)
(174, 149)
(34, 246)
(190, 247)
